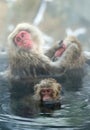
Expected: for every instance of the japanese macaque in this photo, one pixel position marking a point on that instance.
(27, 65)
(72, 61)
(48, 92)
(70, 52)
(51, 51)
(26, 57)
(45, 98)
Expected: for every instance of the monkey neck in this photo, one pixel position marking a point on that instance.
(37, 49)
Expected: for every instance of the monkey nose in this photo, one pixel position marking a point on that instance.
(26, 42)
(47, 98)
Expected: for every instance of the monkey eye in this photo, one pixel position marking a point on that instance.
(48, 90)
(18, 39)
(44, 91)
(22, 35)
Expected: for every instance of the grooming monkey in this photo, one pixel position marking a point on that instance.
(26, 57)
(27, 65)
(27, 60)
(51, 51)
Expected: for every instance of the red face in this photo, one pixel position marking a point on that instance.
(60, 51)
(46, 94)
(23, 39)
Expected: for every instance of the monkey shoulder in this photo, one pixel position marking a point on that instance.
(30, 64)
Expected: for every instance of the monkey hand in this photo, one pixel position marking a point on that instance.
(57, 45)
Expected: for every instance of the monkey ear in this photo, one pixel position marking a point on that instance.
(36, 87)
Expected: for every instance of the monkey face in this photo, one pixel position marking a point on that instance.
(46, 94)
(23, 39)
(64, 44)
(47, 90)
(61, 49)
(51, 93)
(50, 98)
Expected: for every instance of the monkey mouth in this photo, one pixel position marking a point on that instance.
(61, 50)
(47, 98)
(27, 43)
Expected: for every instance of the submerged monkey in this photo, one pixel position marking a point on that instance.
(48, 93)
(46, 98)
(27, 62)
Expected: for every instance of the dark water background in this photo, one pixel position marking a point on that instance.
(73, 115)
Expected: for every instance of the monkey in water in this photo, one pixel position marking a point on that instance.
(48, 93)
(70, 52)
(73, 61)
(46, 98)
(27, 65)
(26, 58)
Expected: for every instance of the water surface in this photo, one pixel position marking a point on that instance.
(73, 115)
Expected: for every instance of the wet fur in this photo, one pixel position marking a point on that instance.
(29, 62)
(49, 83)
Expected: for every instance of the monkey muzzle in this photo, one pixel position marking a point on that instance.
(60, 50)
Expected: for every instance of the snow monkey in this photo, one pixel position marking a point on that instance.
(27, 63)
(47, 90)
(26, 57)
(48, 93)
(46, 98)
(70, 52)
(73, 61)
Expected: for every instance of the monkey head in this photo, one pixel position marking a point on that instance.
(23, 39)
(66, 43)
(47, 90)
(25, 36)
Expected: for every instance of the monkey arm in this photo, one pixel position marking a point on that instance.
(51, 51)
(69, 57)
